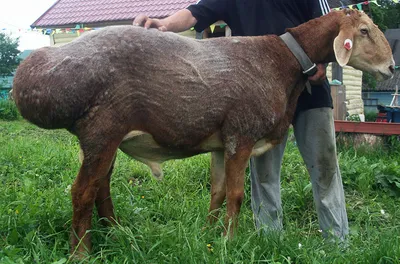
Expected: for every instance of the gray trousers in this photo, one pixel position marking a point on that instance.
(315, 136)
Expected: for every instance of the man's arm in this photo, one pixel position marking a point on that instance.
(318, 8)
(178, 22)
(200, 15)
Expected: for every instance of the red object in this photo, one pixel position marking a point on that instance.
(71, 12)
(376, 128)
(381, 117)
(348, 44)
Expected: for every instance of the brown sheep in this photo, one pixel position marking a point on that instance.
(160, 96)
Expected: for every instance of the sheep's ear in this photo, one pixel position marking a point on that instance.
(343, 46)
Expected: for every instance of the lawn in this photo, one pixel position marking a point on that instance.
(162, 222)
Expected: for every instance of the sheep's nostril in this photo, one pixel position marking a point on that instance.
(391, 68)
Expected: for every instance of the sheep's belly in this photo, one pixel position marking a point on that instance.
(142, 146)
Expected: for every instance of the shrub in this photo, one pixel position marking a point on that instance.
(369, 80)
(8, 110)
(370, 116)
(354, 118)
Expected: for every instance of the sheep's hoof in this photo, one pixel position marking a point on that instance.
(78, 255)
(156, 170)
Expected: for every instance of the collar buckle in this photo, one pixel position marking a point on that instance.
(311, 71)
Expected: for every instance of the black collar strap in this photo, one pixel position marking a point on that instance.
(309, 68)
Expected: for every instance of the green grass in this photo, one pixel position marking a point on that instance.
(161, 222)
(8, 110)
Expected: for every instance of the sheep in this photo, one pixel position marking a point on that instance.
(160, 96)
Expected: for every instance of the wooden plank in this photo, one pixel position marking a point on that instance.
(375, 128)
(338, 93)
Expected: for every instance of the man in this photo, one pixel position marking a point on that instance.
(313, 123)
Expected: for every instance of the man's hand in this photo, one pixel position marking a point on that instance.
(178, 22)
(146, 22)
(319, 76)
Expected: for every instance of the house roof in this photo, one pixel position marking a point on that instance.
(24, 54)
(393, 36)
(71, 12)
(386, 86)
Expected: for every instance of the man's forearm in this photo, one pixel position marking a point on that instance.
(180, 21)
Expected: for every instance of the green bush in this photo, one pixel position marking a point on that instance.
(8, 110)
(354, 118)
(370, 116)
(369, 80)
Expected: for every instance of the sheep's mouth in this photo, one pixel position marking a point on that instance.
(381, 76)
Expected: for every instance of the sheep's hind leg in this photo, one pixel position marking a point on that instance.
(218, 186)
(235, 166)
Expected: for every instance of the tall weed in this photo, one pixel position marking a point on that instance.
(8, 110)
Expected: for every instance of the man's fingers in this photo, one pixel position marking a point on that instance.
(162, 28)
(140, 20)
(317, 78)
(320, 75)
(148, 23)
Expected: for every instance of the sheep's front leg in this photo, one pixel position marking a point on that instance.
(104, 203)
(92, 178)
(218, 186)
(235, 166)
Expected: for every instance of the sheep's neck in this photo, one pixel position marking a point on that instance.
(316, 37)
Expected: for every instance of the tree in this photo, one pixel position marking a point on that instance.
(9, 59)
(387, 15)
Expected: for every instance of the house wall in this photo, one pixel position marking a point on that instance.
(189, 33)
(4, 93)
(352, 79)
(381, 98)
(5, 86)
(62, 38)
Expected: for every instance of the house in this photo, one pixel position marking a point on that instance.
(5, 86)
(68, 19)
(7, 81)
(383, 93)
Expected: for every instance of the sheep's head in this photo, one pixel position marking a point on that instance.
(362, 45)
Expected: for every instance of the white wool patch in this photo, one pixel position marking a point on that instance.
(230, 145)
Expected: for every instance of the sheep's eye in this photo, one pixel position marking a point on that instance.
(364, 31)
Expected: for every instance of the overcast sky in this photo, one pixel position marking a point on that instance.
(16, 16)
